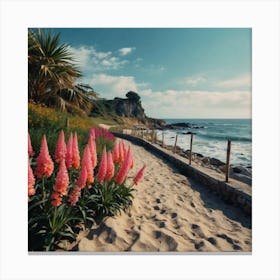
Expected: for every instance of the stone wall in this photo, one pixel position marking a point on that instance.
(226, 191)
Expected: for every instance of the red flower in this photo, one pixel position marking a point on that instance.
(44, 162)
(92, 148)
(60, 150)
(62, 179)
(116, 153)
(124, 168)
(86, 161)
(110, 167)
(75, 152)
(30, 149)
(31, 180)
(69, 152)
(103, 166)
(139, 175)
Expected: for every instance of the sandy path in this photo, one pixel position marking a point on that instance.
(170, 212)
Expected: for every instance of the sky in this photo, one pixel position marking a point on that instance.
(177, 72)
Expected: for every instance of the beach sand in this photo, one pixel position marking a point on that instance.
(170, 212)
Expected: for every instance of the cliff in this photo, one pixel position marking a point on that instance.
(129, 107)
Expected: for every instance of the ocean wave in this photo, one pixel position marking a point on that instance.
(226, 137)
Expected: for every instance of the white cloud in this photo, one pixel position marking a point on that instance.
(115, 86)
(236, 82)
(126, 51)
(197, 104)
(193, 80)
(91, 60)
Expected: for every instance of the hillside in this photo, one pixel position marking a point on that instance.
(126, 109)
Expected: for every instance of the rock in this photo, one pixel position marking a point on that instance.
(206, 160)
(216, 162)
(242, 170)
(242, 178)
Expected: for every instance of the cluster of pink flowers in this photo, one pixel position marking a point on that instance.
(114, 166)
(101, 132)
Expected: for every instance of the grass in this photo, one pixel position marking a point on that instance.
(44, 120)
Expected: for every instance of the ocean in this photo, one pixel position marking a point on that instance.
(211, 138)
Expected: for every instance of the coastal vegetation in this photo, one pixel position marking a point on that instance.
(68, 190)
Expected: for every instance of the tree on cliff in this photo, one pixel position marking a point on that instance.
(133, 96)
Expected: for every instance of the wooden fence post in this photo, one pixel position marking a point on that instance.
(174, 149)
(228, 159)
(190, 158)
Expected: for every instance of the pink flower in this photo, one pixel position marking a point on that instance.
(116, 153)
(82, 179)
(92, 133)
(81, 182)
(69, 152)
(121, 152)
(60, 150)
(30, 149)
(74, 196)
(110, 167)
(139, 175)
(61, 184)
(75, 151)
(92, 148)
(124, 168)
(56, 199)
(44, 165)
(86, 161)
(31, 180)
(103, 166)
(62, 179)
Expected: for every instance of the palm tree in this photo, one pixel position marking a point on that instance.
(52, 73)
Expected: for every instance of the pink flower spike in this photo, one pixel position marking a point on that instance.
(44, 165)
(92, 133)
(103, 166)
(31, 180)
(86, 161)
(139, 175)
(116, 153)
(121, 152)
(124, 168)
(82, 179)
(60, 150)
(92, 148)
(110, 167)
(30, 149)
(62, 179)
(74, 196)
(69, 152)
(76, 153)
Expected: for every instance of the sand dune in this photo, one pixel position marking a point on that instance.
(170, 212)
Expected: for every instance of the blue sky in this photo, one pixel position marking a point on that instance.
(179, 73)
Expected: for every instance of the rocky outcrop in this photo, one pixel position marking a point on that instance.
(129, 107)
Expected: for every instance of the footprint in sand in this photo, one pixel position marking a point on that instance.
(198, 230)
(231, 241)
(167, 243)
(173, 215)
(192, 204)
(199, 245)
(212, 240)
